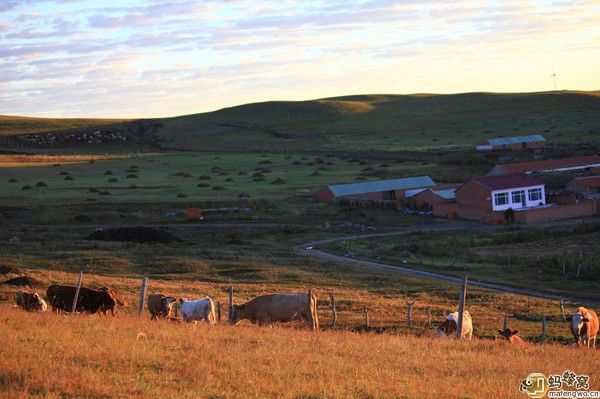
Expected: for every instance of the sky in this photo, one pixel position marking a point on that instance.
(76, 58)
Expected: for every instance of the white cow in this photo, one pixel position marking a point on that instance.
(450, 325)
(200, 309)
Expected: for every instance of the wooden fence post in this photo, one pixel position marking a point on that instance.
(76, 297)
(143, 296)
(366, 317)
(461, 307)
(543, 328)
(230, 308)
(333, 310)
(409, 304)
(219, 311)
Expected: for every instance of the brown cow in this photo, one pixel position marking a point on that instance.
(266, 309)
(30, 302)
(89, 300)
(511, 336)
(160, 305)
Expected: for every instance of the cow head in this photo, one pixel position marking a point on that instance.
(238, 313)
(446, 328)
(507, 333)
(167, 303)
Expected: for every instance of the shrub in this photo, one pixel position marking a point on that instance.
(93, 190)
(218, 188)
(12, 180)
(296, 163)
(108, 172)
(228, 180)
(132, 176)
(265, 162)
(26, 188)
(69, 178)
(182, 174)
(242, 173)
(360, 178)
(181, 195)
(316, 173)
(113, 180)
(41, 184)
(244, 195)
(203, 185)
(278, 181)
(204, 177)
(63, 173)
(133, 187)
(105, 192)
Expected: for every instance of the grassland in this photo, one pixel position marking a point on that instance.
(13, 125)
(367, 122)
(546, 258)
(86, 356)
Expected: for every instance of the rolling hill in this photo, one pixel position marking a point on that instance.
(381, 122)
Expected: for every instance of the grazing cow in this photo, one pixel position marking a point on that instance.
(89, 300)
(511, 336)
(266, 309)
(449, 326)
(160, 306)
(200, 309)
(30, 302)
(584, 326)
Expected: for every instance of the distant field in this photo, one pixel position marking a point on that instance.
(526, 258)
(12, 125)
(176, 177)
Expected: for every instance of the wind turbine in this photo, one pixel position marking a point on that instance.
(554, 79)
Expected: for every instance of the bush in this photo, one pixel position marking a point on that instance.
(108, 172)
(132, 176)
(113, 180)
(218, 188)
(63, 173)
(228, 180)
(204, 177)
(242, 173)
(296, 163)
(244, 195)
(203, 185)
(69, 178)
(278, 181)
(181, 195)
(12, 180)
(93, 190)
(105, 192)
(182, 174)
(26, 188)
(41, 184)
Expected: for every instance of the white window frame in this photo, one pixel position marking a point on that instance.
(517, 197)
(503, 195)
(531, 191)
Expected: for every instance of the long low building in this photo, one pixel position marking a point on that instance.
(512, 143)
(381, 190)
(572, 164)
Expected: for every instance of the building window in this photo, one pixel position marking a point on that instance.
(518, 197)
(535, 194)
(500, 199)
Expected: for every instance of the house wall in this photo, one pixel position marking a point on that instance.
(475, 196)
(519, 146)
(324, 195)
(376, 196)
(426, 196)
(570, 211)
(517, 205)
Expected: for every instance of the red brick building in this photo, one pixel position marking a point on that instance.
(518, 143)
(572, 164)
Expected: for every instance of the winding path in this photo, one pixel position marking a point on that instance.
(311, 249)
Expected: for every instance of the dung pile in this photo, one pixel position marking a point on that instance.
(24, 281)
(139, 234)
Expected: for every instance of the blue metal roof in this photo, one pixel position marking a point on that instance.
(515, 140)
(445, 194)
(341, 190)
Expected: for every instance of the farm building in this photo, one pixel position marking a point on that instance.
(381, 190)
(488, 198)
(428, 197)
(512, 143)
(573, 164)
(588, 186)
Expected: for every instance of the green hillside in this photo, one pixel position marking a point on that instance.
(363, 122)
(15, 125)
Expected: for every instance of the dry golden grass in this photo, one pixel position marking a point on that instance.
(95, 356)
(15, 161)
